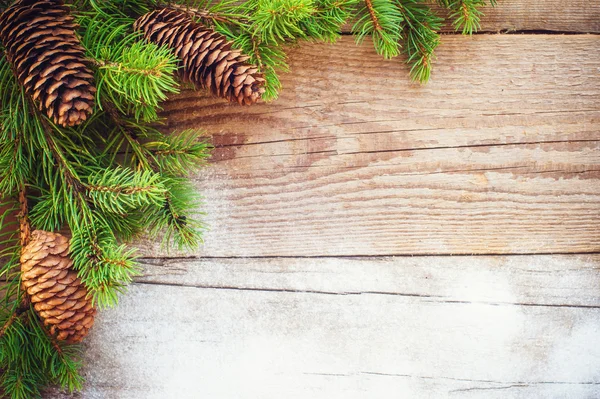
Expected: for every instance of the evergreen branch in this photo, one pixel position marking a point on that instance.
(421, 27)
(8, 323)
(105, 267)
(172, 220)
(9, 256)
(327, 20)
(133, 75)
(24, 227)
(178, 201)
(381, 20)
(135, 154)
(14, 166)
(374, 18)
(63, 360)
(279, 20)
(67, 171)
(121, 190)
(116, 8)
(466, 14)
(93, 245)
(180, 154)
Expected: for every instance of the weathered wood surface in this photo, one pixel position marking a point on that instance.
(499, 153)
(578, 16)
(408, 327)
(541, 15)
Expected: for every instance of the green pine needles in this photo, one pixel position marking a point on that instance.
(98, 165)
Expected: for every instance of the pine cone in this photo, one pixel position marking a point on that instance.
(56, 292)
(206, 57)
(40, 42)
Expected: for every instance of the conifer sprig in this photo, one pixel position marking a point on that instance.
(381, 20)
(466, 14)
(421, 26)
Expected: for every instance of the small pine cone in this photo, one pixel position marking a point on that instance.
(56, 292)
(40, 42)
(206, 57)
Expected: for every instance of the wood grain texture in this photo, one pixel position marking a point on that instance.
(405, 327)
(578, 16)
(499, 153)
(540, 15)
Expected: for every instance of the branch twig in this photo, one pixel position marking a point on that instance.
(8, 323)
(25, 228)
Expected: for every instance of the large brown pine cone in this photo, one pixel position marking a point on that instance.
(207, 59)
(57, 294)
(40, 42)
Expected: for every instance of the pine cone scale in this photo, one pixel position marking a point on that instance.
(57, 294)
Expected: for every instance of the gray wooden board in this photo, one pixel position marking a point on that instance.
(393, 327)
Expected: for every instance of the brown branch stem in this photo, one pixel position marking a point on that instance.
(374, 18)
(8, 323)
(24, 227)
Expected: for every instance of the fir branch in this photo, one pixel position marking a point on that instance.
(8, 323)
(421, 27)
(182, 153)
(466, 14)
(121, 190)
(24, 227)
(279, 20)
(133, 75)
(117, 8)
(170, 218)
(14, 121)
(327, 20)
(221, 12)
(10, 232)
(124, 139)
(104, 266)
(381, 20)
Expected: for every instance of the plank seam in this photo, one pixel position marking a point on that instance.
(484, 32)
(400, 255)
(384, 293)
(467, 146)
(467, 379)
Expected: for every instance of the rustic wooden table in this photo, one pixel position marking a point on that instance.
(373, 238)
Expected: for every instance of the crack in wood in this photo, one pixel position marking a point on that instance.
(427, 298)
(488, 388)
(149, 258)
(466, 146)
(507, 384)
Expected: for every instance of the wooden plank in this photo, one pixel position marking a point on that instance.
(579, 16)
(456, 327)
(518, 280)
(540, 15)
(499, 153)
